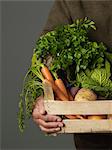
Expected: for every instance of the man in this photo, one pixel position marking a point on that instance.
(64, 12)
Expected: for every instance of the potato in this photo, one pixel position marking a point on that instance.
(97, 117)
(85, 95)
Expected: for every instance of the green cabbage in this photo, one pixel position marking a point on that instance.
(97, 80)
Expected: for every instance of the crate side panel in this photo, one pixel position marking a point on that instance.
(87, 126)
(73, 107)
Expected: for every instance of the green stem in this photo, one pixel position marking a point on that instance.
(38, 73)
(54, 74)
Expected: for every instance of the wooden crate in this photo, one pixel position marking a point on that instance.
(100, 107)
(85, 108)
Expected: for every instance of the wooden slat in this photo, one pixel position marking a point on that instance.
(87, 126)
(48, 92)
(73, 107)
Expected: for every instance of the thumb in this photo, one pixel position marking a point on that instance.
(41, 106)
(42, 110)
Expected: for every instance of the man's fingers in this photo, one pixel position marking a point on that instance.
(49, 124)
(37, 115)
(51, 130)
(51, 118)
(47, 118)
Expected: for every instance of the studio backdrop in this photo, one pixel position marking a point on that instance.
(22, 22)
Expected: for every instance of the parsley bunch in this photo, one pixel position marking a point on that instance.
(69, 44)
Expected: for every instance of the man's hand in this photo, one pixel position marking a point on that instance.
(47, 123)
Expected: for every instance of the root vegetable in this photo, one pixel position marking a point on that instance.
(60, 84)
(46, 73)
(85, 95)
(97, 117)
(57, 91)
(71, 116)
(88, 95)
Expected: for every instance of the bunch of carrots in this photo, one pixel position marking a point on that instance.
(60, 91)
(57, 84)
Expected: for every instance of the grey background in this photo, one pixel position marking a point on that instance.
(21, 23)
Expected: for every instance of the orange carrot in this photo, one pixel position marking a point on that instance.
(59, 93)
(71, 99)
(46, 73)
(59, 96)
(81, 116)
(67, 93)
(58, 87)
(71, 116)
(75, 117)
(56, 90)
(60, 84)
(56, 98)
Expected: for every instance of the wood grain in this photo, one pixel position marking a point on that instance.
(73, 107)
(99, 107)
(87, 126)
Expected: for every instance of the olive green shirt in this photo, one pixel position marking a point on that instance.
(65, 11)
